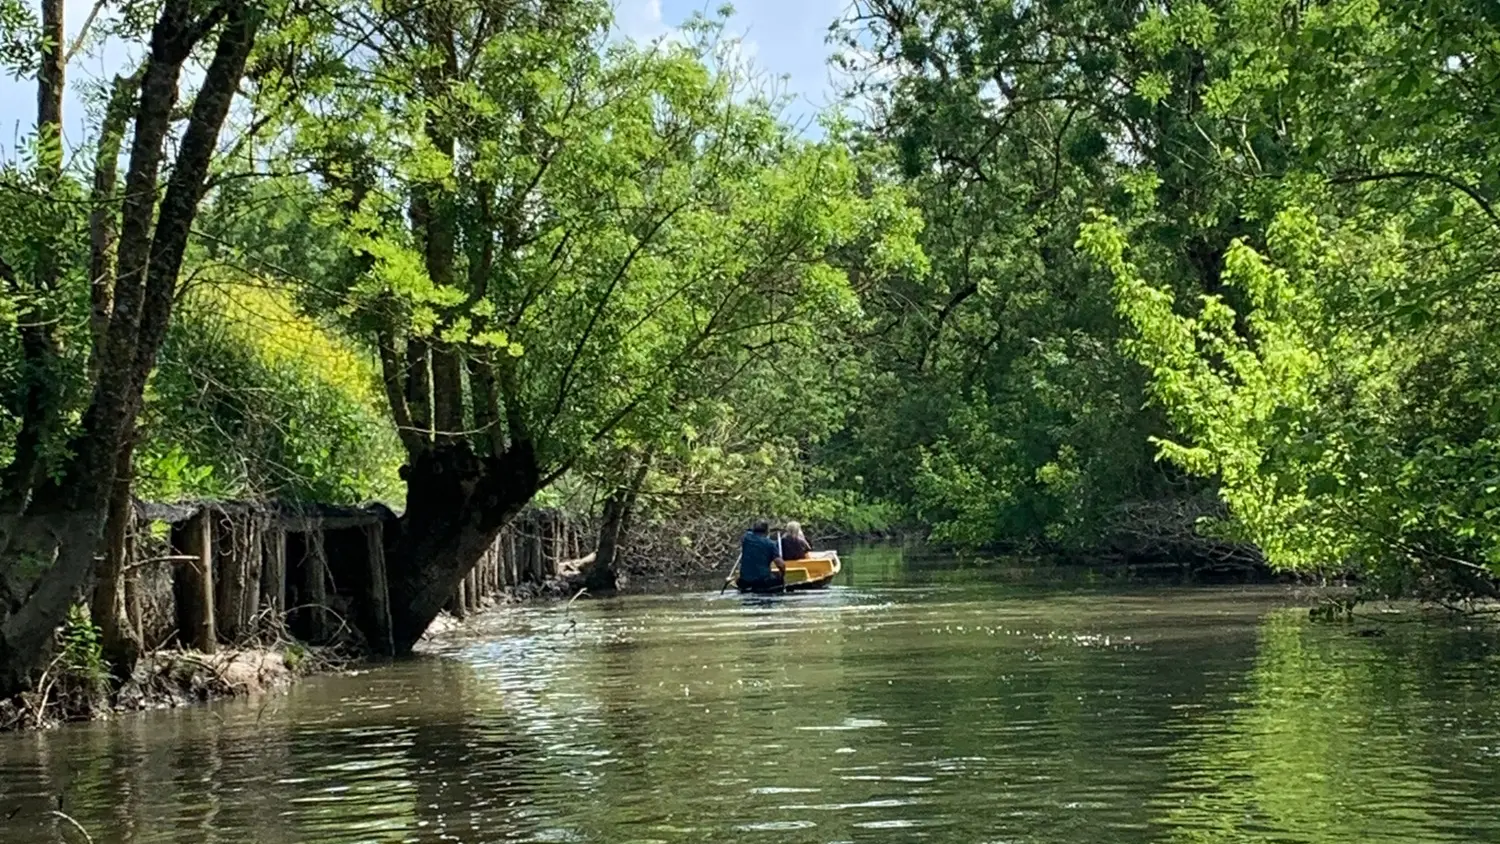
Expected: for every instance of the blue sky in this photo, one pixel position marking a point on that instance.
(783, 37)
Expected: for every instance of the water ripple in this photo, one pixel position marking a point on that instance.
(883, 714)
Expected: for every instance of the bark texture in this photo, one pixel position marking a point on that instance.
(602, 574)
(457, 502)
(48, 541)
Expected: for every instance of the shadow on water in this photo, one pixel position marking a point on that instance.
(412, 753)
(910, 702)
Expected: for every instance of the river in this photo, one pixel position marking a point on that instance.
(915, 701)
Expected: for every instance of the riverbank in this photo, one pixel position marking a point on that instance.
(70, 691)
(161, 680)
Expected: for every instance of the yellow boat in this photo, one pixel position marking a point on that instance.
(815, 571)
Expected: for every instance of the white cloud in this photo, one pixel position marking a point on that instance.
(641, 20)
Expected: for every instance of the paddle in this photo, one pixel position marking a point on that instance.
(732, 572)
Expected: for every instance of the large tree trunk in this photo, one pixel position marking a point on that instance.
(457, 502)
(104, 213)
(117, 636)
(602, 575)
(45, 560)
(47, 551)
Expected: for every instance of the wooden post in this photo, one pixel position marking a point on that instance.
(512, 573)
(252, 564)
(482, 578)
(461, 600)
(500, 562)
(196, 616)
(315, 584)
(557, 545)
(379, 596)
(503, 563)
(544, 545)
(517, 556)
(224, 614)
(273, 581)
(473, 588)
(232, 581)
(523, 552)
(537, 555)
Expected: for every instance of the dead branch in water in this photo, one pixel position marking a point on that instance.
(64, 816)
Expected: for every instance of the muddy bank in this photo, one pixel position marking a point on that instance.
(171, 678)
(162, 680)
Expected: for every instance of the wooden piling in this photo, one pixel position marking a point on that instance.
(237, 575)
(512, 557)
(315, 586)
(132, 584)
(252, 564)
(539, 550)
(527, 549)
(555, 549)
(379, 595)
(195, 611)
(273, 579)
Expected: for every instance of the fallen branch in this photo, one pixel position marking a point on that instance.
(56, 813)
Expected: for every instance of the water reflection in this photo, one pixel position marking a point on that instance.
(920, 706)
(1382, 738)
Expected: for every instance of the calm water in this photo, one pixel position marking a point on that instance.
(905, 705)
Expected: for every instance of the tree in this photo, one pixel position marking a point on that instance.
(52, 524)
(554, 241)
(999, 408)
(1340, 387)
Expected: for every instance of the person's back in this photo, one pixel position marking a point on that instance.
(757, 554)
(794, 546)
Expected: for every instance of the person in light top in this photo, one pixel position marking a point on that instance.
(794, 546)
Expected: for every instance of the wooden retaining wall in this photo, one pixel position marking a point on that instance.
(233, 573)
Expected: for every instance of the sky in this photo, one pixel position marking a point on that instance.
(784, 38)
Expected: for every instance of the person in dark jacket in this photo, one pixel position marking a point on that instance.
(760, 561)
(794, 546)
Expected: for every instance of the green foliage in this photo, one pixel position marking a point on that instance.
(1084, 257)
(997, 406)
(251, 400)
(1339, 387)
(640, 248)
(19, 34)
(38, 219)
(1293, 204)
(296, 656)
(82, 673)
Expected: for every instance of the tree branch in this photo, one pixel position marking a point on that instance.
(1468, 190)
(588, 331)
(83, 31)
(105, 212)
(391, 378)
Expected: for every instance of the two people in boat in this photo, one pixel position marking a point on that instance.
(763, 560)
